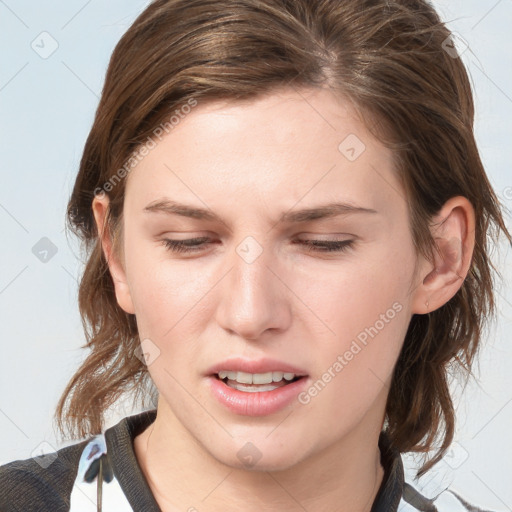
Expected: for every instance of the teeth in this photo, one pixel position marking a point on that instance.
(256, 378)
(277, 376)
(244, 378)
(262, 378)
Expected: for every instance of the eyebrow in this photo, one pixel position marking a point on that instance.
(328, 210)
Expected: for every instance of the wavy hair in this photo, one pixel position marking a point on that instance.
(390, 59)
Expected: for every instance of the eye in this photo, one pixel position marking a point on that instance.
(327, 245)
(189, 245)
(196, 245)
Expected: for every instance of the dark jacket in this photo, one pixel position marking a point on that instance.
(46, 484)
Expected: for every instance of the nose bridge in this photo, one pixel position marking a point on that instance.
(250, 282)
(252, 297)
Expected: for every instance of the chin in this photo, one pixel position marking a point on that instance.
(259, 454)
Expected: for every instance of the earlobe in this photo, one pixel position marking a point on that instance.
(453, 230)
(100, 208)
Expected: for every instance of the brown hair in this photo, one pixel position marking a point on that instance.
(386, 56)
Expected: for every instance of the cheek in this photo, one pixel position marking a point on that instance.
(365, 314)
(353, 297)
(163, 292)
(353, 368)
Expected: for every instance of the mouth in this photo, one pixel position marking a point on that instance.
(256, 382)
(256, 388)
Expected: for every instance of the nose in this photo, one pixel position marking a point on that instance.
(254, 297)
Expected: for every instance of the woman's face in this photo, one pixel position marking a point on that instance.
(257, 294)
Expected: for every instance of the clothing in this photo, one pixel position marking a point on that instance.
(28, 486)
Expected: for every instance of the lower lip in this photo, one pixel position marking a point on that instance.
(259, 403)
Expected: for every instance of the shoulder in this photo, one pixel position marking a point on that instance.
(52, 482)
(397, 495)
(40, 483)
(447, 501)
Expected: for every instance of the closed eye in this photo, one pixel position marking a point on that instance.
(327, 245)
(195, 245)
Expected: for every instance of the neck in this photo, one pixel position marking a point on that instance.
(182, 476)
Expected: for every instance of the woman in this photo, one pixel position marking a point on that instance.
(287, 217)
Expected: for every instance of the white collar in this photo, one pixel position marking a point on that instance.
(83, 495)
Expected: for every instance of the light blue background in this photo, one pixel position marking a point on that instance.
(46, 110)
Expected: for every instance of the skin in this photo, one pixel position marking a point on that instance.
(249, 163)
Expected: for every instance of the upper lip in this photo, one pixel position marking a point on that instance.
(265, 365)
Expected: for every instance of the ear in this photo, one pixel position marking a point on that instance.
(453, 230)
(100, 206)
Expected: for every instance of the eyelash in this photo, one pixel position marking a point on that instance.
(192, 245)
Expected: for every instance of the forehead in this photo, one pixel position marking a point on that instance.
(287, 146)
